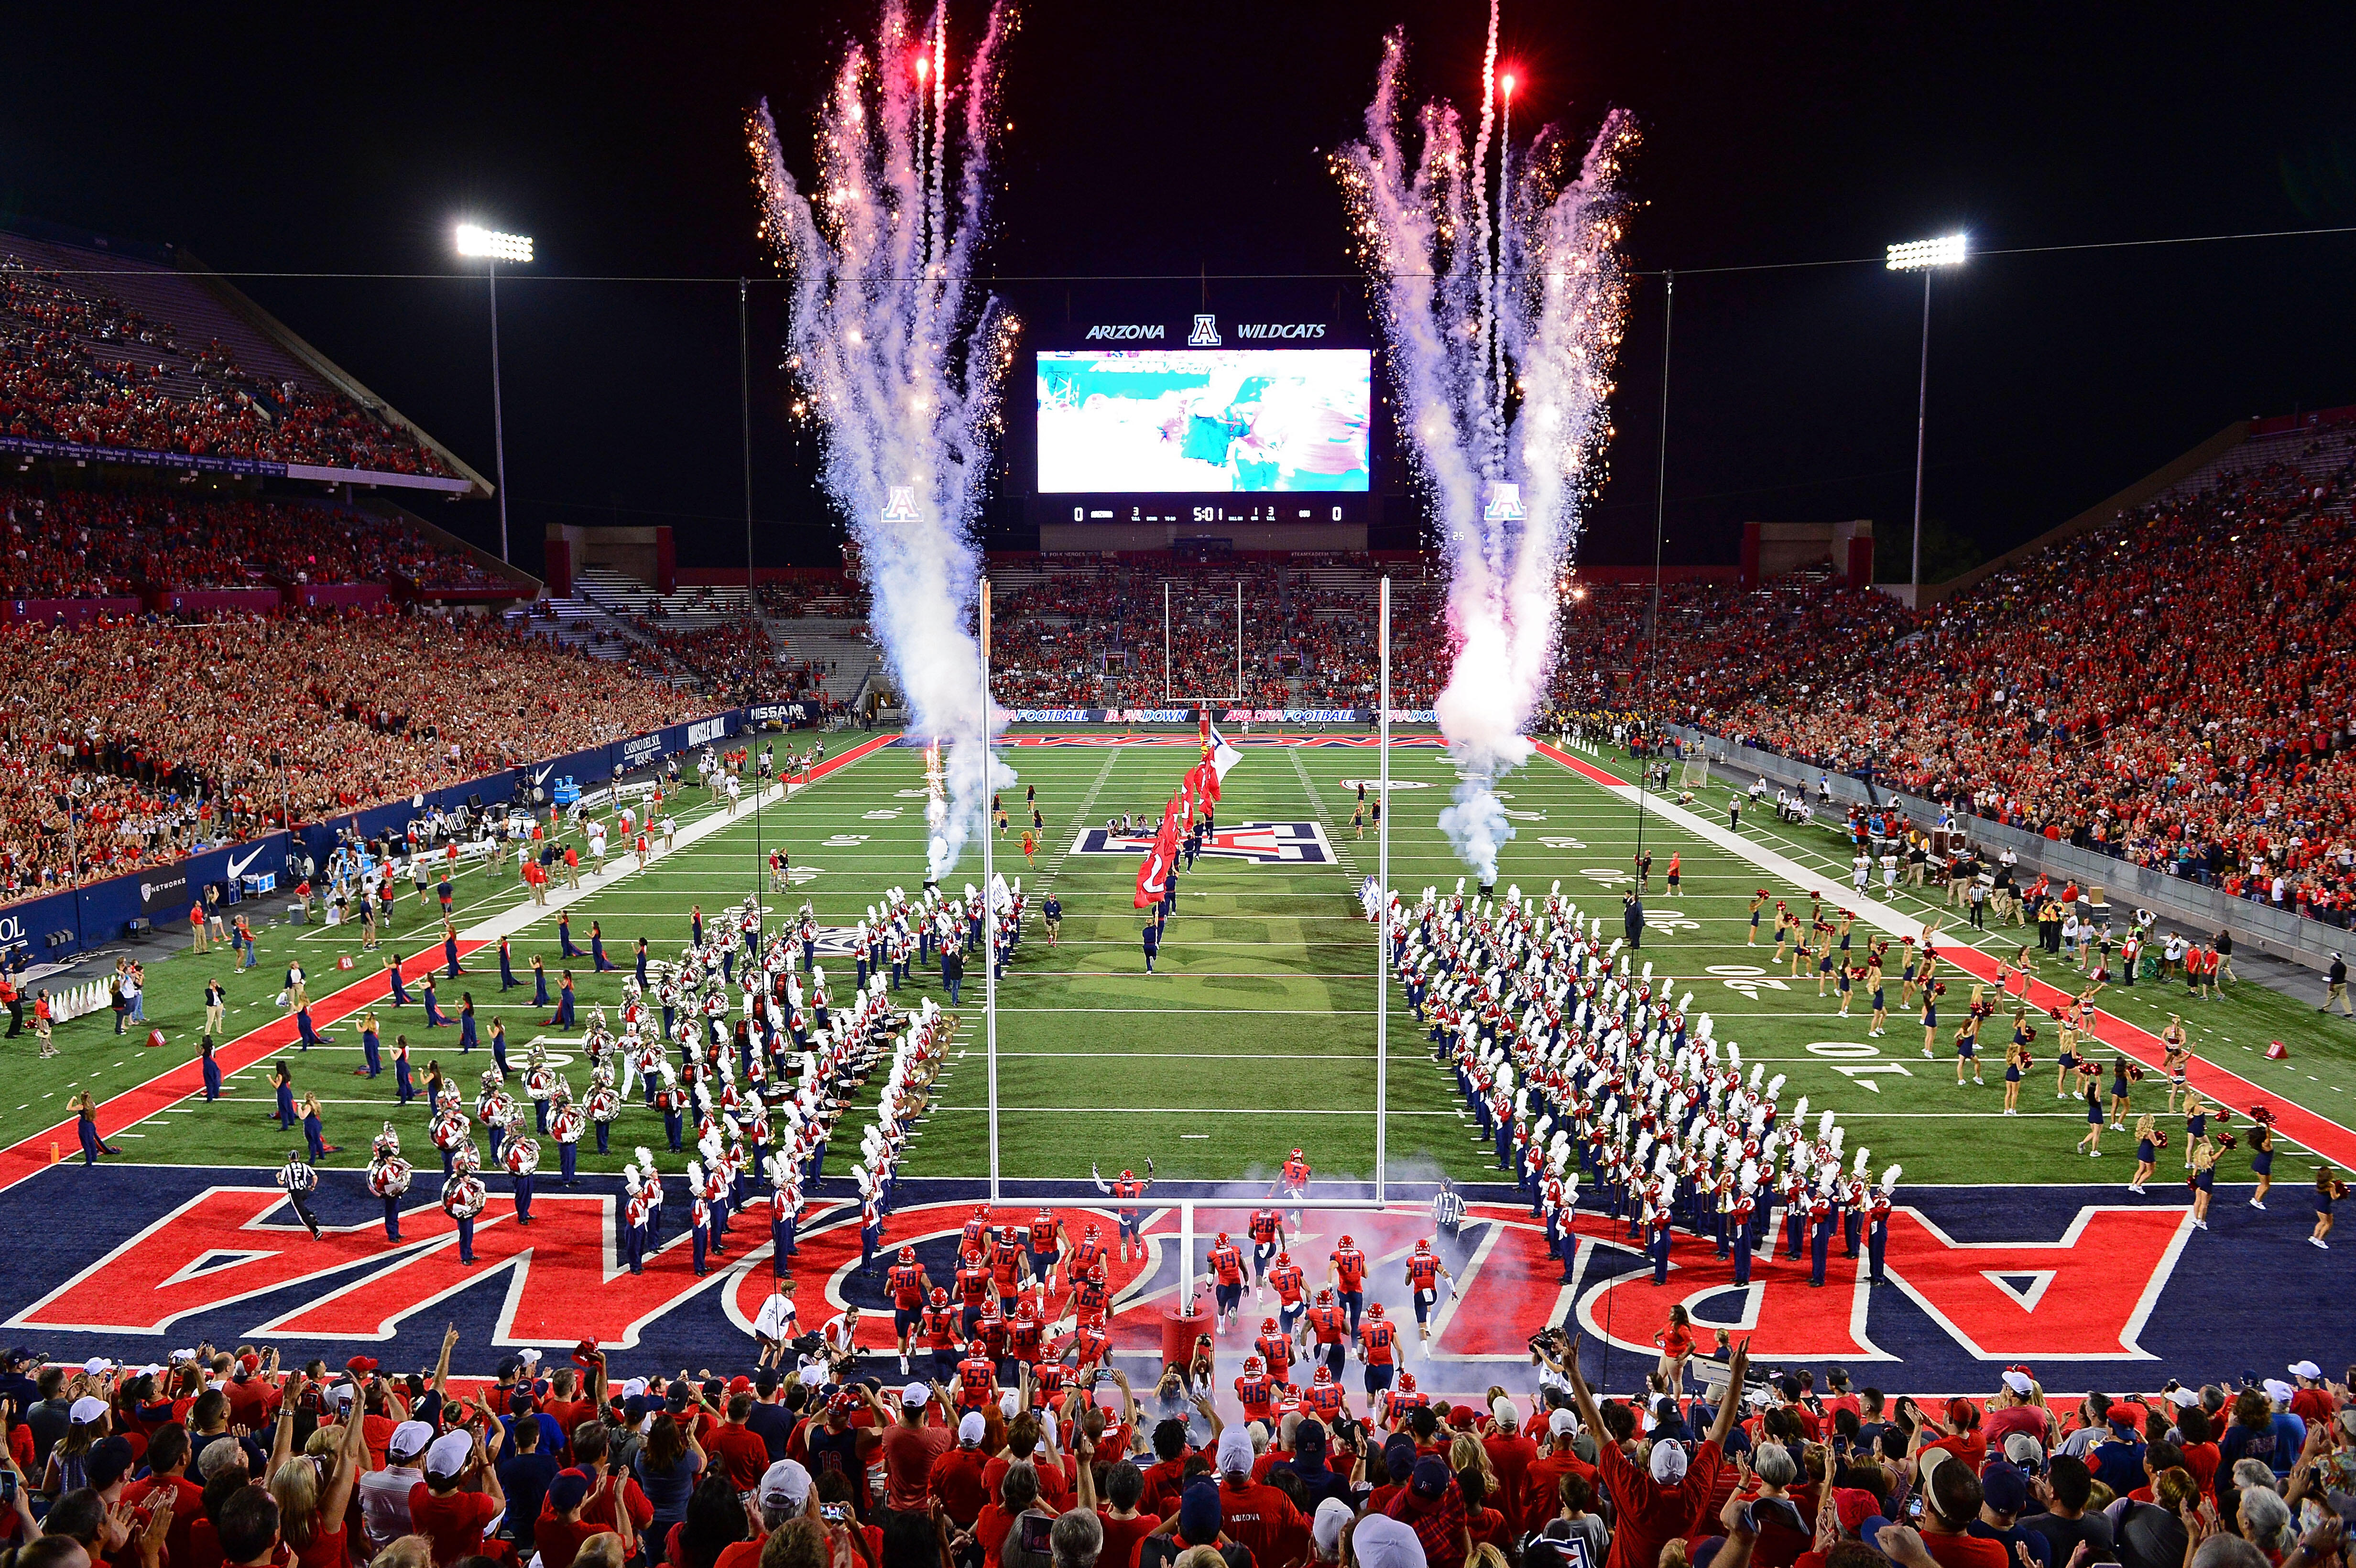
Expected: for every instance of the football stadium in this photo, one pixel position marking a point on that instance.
(918, 889)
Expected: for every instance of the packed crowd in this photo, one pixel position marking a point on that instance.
(166, 736)
(75, 543)
(2170, 687)
(1096, 640)
(78, 365)
(221, 1457)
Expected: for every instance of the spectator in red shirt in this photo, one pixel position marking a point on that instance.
(1951, 1501)
(955, 1481)
(1657, 1504)
(2013, 1410)
(2312, 1402)
(1542, 1486)
(1123, 1524)
(1511, 1455)
(736, 1450)
(312, 1512)
(910, 1450)
(452, 1519)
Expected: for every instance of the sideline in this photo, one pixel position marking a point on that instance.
(127, 1109)
(2293, 1121)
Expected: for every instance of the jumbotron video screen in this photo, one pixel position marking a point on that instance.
(1204, 421)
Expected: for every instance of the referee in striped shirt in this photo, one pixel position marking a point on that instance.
(1447, 1210)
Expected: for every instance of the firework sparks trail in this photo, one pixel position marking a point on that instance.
(901, 362)
(1502, 324)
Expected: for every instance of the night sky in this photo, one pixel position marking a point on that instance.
(1181, 139)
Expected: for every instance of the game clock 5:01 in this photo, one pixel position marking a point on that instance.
(1261, 514)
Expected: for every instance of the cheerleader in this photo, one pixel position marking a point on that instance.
(2176, 1056)
(2203, 1162)
(2196, 1124)
(2326, 1188)
(1758, 902)
(1967, 1038)
(1783, 919)
(1931, 1022)
(2123, 1077)
(2003, 973)
(2065, 1026)
(1848, 978)
(2092, 1144)
(2262, 1155)
(314, 1130)
(1880, 1023)
(2016, 1063)
(2148, 1137)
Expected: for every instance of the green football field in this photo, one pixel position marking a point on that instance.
(1257, 1035)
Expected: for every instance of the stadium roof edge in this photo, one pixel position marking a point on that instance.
(480, 488)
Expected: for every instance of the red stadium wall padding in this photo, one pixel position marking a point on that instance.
(666, 560)
(556, 565)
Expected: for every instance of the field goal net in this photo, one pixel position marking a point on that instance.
(1695, 773)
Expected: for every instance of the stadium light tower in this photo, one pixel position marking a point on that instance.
(493, 248)
(1923, 256)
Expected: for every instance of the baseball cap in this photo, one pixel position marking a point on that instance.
(2183, 1398)
(2016, 1380)
(1562, 1424)
(108, 1461)
(1235, 1451)
(1199, 1514)
(565, 1492)
(449, 1454)
(2023, 1450)
(1669, 1463)
(2305, 1369)
(970, 1426)
(361, 1365)
(86, 1410)
(785, 1485)
(97, 1366)
(1332, 1519)
(2276, 1390)
(2004, 1489)
(409, 1440)
(914, 1394)
(1382, 1541)
(22, 1354)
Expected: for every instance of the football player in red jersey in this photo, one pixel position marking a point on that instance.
(906, 1284)
(1275, 1346)
(973, 1289)
(1090, 1296)
(1292, 1182)
(1292, 1293)
(1329, 1328)
(1346, 1268)
(1424, 1272)
(1225, 1262)
(1324, 1398)
(940, 1327)
(1126, 1192)
(975, 1237)
(1268, 1238)
(1402, 1397)
(1377, 1347)
(1008, 1264)
(1257, 1391)
(1046, 1237)
(1022, 1334)
(1090, 1252)
(977, 1378)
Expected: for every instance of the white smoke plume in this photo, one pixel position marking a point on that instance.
(900, 361)
(1502, 317)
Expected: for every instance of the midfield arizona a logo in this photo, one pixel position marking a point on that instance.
(2083, 1297)
(1257, 843)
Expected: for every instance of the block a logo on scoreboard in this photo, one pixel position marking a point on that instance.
(1254, 843)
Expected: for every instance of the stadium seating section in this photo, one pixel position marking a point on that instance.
(101, 350)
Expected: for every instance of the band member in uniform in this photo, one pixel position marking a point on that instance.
(462, 1198)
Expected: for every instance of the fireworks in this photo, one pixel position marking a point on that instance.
(1502, 317)
(900, 362)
